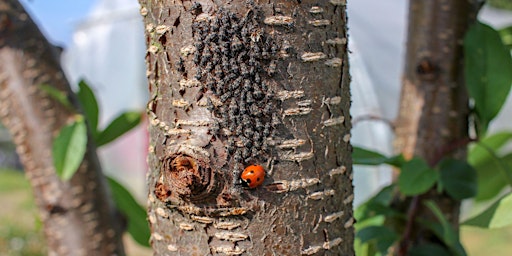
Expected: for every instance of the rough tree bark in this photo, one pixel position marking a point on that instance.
(432, 120)
(235, 83)
(78, 216)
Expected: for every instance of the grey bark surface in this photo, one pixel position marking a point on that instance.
(78, 216)
(235, 83)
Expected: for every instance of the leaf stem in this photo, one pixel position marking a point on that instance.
(411, 215)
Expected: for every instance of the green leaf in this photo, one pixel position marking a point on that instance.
(396, 161)
(366, 249)
(494, 172)
(479, 152)
(58, 95)
(416, 177)
(89, 105)
(378, 205)
(444, 230)
(367, 157)
(122, 124)
(506, 36)
(487, 64)
(498, 215)
(383, 236)
(135, 213)
(493, 176)
(428, 250)
(447, 234)
(69, 148)
(505, 5)
(373, 213)
(458, 178)
(361, 249)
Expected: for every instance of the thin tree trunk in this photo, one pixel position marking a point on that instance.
(78, 216)
(434, 103)
(235, 83)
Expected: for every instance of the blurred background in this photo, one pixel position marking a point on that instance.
(104, 44)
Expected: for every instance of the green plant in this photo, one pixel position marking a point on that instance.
(488, 73)
(70, 144)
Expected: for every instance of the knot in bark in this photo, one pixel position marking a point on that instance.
(187, 178)
(427, 70)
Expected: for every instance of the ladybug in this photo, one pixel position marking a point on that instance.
(253, 176)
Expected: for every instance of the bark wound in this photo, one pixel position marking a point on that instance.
(427, 70)
(187, 179)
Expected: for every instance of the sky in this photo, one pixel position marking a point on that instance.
(57, 18)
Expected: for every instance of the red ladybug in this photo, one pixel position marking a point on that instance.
(253, 176)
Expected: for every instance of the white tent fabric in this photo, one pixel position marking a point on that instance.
(376, 39)
(367, 134)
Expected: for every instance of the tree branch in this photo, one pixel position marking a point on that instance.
(78, 216)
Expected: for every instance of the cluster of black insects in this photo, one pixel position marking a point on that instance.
(235, 61)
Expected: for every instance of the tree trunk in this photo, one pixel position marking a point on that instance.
(434, 105)
(78, 216)
(236, 83)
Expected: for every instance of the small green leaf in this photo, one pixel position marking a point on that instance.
(373, 232)
(361, 249)
(384, 196)
(367, 157)
(122, 124)
(57, 94)
(506, 36)
(416, 177)
(458, 178)
(378, 205)
(494, 172)
(396, 161)
(498, 215)
(479, 152)
(447, 234)
(428, 250)
(381, 235)
(135, 213)
(69, 148)
(487, 64)
(504, 5)
(444, 230)
(493, 176)
(89, 105)
(371, 214)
